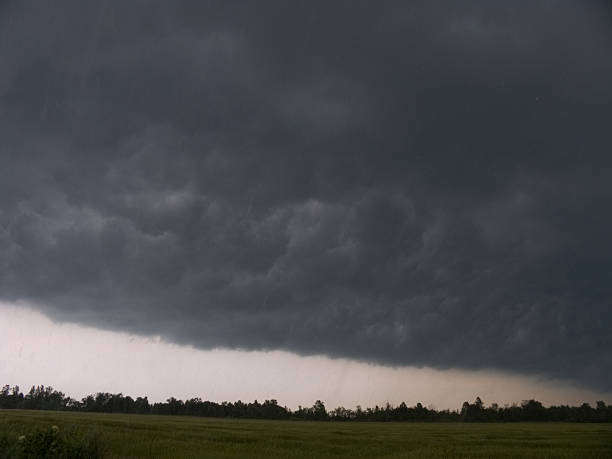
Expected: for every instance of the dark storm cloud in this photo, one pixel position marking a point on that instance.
(404, 184)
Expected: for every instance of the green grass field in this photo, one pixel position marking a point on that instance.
(165, 436)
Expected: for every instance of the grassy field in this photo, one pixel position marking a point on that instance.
(165, 436)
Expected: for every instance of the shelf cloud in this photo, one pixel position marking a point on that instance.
(402, 184)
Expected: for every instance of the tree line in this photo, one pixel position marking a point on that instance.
(47, 398)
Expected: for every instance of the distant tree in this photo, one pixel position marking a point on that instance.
(533, 411)
(46, 398)
(319, 410)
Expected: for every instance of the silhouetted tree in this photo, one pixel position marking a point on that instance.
(46, 398)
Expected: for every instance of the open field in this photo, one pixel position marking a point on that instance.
(166, 436)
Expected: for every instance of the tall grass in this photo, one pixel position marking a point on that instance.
(35, 442)
(132, 436)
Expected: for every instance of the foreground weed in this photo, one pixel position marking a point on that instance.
(50, 443)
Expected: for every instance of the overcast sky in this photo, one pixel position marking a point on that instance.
(83, 360)
(419, 184)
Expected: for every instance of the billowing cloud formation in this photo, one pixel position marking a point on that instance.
(399, 184)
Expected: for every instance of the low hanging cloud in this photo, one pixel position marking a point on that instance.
(401, 184)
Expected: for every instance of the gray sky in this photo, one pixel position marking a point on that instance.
(400, 184)
(82, 360)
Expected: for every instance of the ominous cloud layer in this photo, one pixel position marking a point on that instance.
(399, 183)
